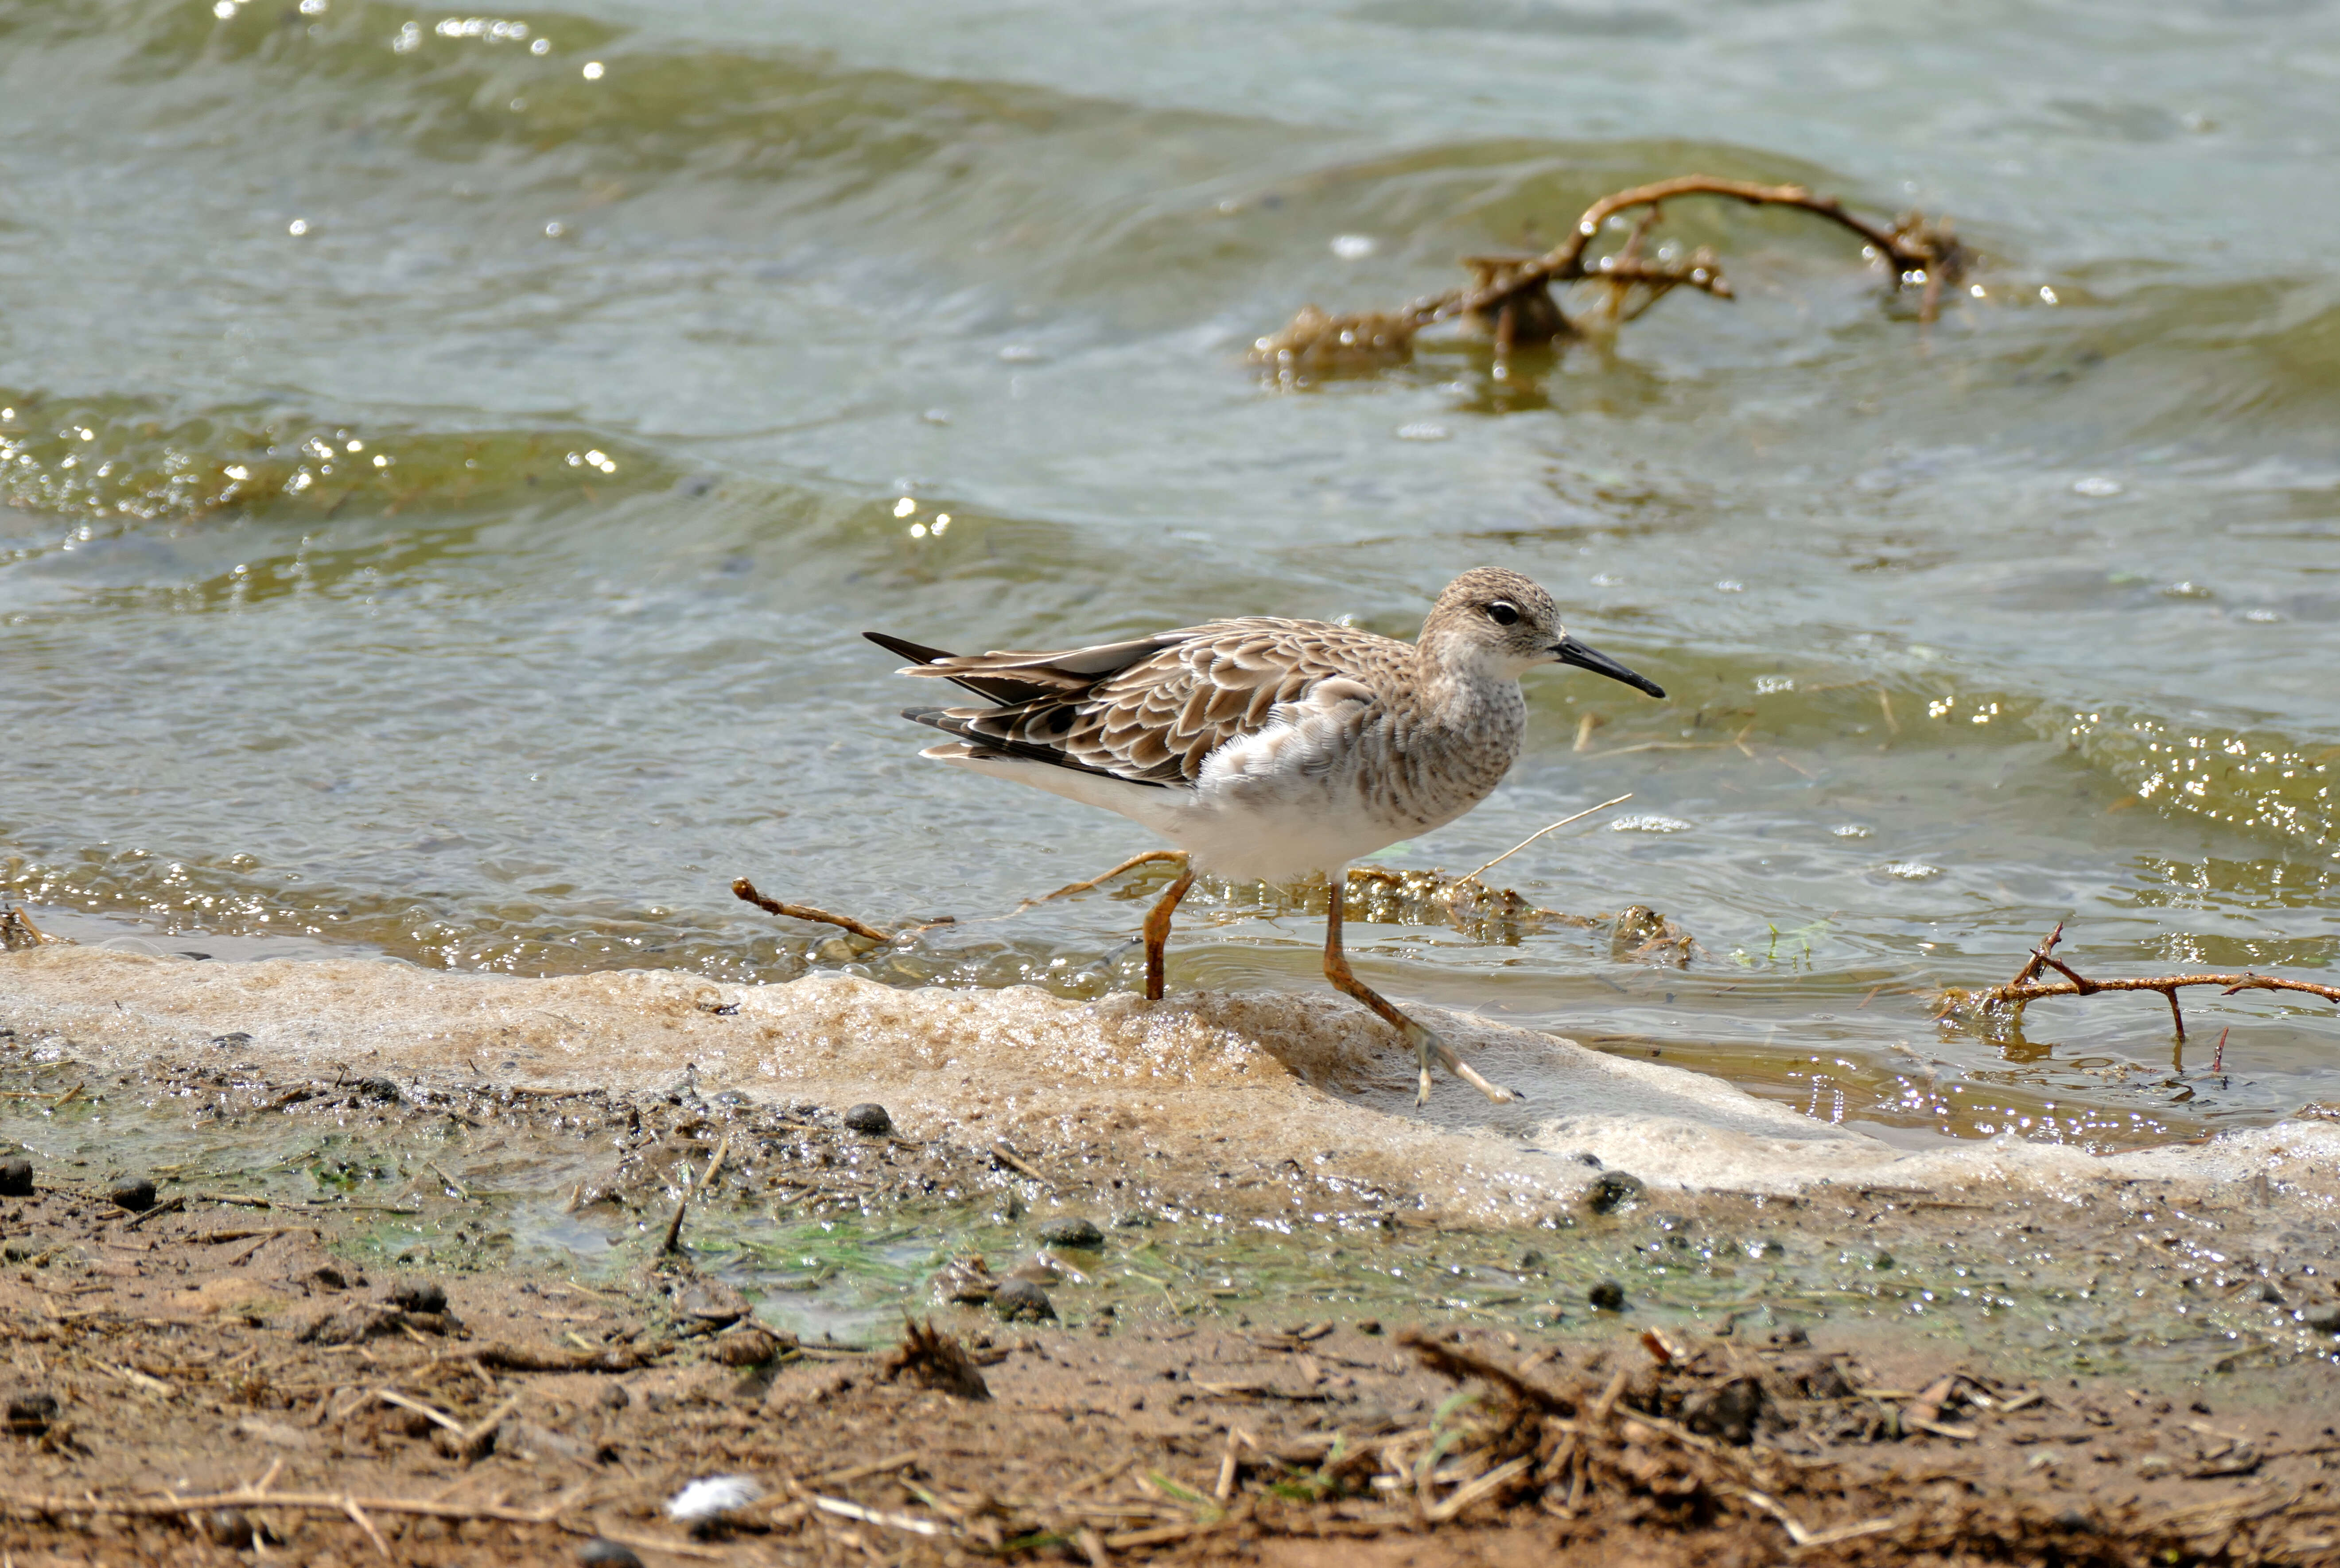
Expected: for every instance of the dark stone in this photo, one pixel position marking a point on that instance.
(2073, 1519)
(1018, 1299)
(235, 1042)
(1608, 1295)
(419, 1296)
(1072, 1231)
(2322, 1319)
(25, 1248)
(868, 1118)
(30, 1412)
(614, 1395)
(1727, 1411)
(1613, 1191)
(16, 1177)
(135, 1194)
(1369, 1325)
(2270, 1294)
(376, 1089)
(608, 1555)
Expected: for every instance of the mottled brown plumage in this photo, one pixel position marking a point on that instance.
(1266, 747)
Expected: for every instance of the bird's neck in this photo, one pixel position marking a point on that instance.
(1463, 691)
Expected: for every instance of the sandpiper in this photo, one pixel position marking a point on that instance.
(1267, 750)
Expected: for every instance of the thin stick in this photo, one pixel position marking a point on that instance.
(349, 1507)
(390, 1396)
(452, 1185)
(37, 1504)
(682, 1206)
(1008, 1157)
(745, 891)
(1539, 832)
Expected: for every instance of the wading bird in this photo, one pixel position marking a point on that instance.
(1267, 750)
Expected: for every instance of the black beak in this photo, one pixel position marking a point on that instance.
(1568, 651)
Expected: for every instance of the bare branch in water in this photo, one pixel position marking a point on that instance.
(746, 890)
(1510, 298)
(2008, 1000)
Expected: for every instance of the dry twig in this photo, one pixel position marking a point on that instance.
(1510, 300)
(745, 891)
(683, 1204)
(2009, 999)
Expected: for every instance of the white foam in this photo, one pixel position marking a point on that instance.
(1201, 1078)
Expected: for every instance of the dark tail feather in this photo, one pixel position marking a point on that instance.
(917, 653)
(1006, 690)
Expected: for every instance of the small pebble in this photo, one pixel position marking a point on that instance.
(608, 1555)
(868, 1118)
(2322, 1319)
(1018, 1299)
(1369, 1325)
(235, 1042)
(748, 1347)
(16, 1177)
(419, 1296)
(1072, 1231)
(1612, 1191)
(135, 1194)
(1608, 1295)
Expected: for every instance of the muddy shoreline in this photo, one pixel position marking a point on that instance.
(2135, 1355)
(501, 1415)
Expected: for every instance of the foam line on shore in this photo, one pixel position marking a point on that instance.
(1301, 1077)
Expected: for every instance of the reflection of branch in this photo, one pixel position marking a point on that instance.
(2026, 987)
(1509, 301)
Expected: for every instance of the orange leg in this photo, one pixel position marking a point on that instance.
(1424, 1042)
(1157, 931)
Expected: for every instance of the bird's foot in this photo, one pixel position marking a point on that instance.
(1426, 1044)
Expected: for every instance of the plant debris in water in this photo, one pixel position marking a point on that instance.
(1510, 302)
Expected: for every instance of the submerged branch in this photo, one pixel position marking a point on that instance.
(2027, 987)
(745, 891)
(1510, 300)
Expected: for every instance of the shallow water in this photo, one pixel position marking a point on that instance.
(441, 485)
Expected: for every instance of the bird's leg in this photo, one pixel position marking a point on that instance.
(1157, 930)
(1423, 1041)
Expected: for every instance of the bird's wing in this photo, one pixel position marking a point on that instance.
(1151, 712)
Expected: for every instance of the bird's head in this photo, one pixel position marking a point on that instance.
(1508, 624)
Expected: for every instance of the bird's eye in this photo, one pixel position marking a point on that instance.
(1503, 613)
